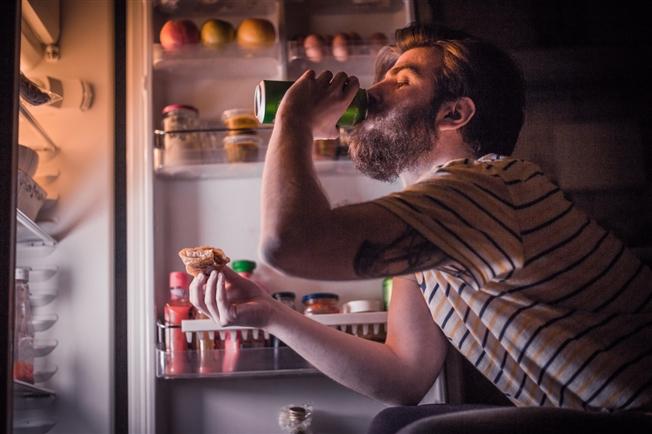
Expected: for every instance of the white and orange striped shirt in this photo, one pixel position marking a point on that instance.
(547, 304)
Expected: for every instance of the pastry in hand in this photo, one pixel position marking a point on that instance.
(203, 259)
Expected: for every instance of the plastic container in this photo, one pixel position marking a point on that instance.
(320, 303)
(23, 329)
(31, 196)
(244, 267)
(357, 306)
(180, 147)
(241, 148)
(239, 119)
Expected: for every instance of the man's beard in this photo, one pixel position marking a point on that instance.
(383, 147)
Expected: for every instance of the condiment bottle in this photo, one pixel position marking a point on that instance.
(320, 303)
(268, 95)
(181, 146)
(387, 291)
(205, 346)
(177, 309)
(24, 330)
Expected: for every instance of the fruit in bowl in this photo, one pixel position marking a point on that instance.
(216, 33)
(177, 33)
(255, 33)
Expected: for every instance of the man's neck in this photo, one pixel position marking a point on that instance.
(440, 154)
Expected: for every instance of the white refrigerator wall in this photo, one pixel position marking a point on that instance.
(82, 221)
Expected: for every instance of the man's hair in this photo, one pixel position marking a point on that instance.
(481, 71)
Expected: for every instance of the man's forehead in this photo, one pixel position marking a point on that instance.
(423, 59)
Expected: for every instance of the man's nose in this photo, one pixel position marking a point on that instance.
(375, 95)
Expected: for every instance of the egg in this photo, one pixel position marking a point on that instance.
(314, 47)
(377, 41)
(341, 48)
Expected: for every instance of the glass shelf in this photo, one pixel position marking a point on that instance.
(27, 390)
(230, 62)
(215, 7)
(203, 155)
(29, 233)
(347, 7)
(248, 362)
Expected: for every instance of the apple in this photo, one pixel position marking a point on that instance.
(216, 33)
(177, 33)
(254, 33)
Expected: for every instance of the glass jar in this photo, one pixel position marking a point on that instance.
(320, 303)
(286, 297)
(238, 119)
(242, 147)
(181, 147)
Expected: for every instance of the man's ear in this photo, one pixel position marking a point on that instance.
(453, 115)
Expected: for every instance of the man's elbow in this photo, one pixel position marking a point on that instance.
(278, 254)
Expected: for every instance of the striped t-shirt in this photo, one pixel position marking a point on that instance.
(547, 304)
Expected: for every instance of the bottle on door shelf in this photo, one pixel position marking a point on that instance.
(176, 310)
(205, 345)
(23, 330)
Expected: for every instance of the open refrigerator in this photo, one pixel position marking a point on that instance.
(209, 195)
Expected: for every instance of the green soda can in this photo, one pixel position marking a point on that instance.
(387, 291)
(269, 93)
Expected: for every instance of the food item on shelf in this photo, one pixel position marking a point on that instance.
(181, 147)
(177, 309)
(255, 33)
(357, 306)
(237, 119)
(203, 259)
(326, 149)
(242, 147)
(27, 160)
(31, 196)
(340, 47)
(23, 329)
(244, 267)
(178, 33)
(315, 47)
(216, 33)
(377, 41)
(320, 303)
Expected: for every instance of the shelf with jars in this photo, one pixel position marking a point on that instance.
(245, 351)
(233, 153)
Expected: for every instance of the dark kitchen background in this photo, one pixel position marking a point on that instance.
(588, 119)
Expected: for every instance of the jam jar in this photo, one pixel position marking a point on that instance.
(320, 303)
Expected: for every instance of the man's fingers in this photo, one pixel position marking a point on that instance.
(222, 303)
(210, 295)
(324, 78)
(196, 293)
(338, 80)
(351, 86)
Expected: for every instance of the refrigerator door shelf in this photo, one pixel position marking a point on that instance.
(236, 362)
(229, 62)
(22, 389)
(29, 233)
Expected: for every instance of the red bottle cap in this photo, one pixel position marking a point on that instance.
(178, 279)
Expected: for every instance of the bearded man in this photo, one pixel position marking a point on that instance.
(486, 251)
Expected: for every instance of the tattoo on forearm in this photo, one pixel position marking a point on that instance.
(408, 253)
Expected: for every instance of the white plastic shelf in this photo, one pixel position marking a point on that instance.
(230, 62)
(23, 389)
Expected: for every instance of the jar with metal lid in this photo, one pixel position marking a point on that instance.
(321, 303)
(180, 146)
